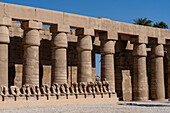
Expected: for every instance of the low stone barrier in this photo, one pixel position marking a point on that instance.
(58, 94)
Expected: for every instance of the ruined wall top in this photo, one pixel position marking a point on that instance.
(22, 13)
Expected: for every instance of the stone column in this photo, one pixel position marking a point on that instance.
(140, 80)
(31, 43)
(107, 62)
(4, 41)
(157, 74)
(84, 49)
(59, 50)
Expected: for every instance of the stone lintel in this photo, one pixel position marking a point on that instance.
(108, 35)
(85, 31)
(154, 41)
(31, 25)
(142, 39)
(59, 28)
(112, 35)
(157, 40)
(6, 21)
(139, 39)
(125, 37)
(161, 40)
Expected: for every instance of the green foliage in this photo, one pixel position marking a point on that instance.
(146, 22)
(161, 25)
(143, 21)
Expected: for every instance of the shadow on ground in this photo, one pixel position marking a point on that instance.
(146, 105)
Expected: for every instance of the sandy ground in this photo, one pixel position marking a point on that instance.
(121, 107)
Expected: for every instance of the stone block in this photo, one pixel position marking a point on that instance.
(106, 24)
(76, 21)
(126, 85)
(5, 21)
(126, 28)
(109, 35)
(59, 28)
(2, 5)
(96, 41)
(142, 39)
(48, 16)
(165, 33)
(18, 75)
(95, 23)
(139, 30)
(32, 25)
(85, 31)
(46, 75)
(71, 38)
(161, 40)
(129, 46)
(20, 12)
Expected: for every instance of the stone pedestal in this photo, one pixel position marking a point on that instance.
(157, 74)
(59, 58)
(84, 49)
(107, 62)
(140, 80)
(31, 42)
(4, 41)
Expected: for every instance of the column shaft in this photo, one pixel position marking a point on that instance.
(31, 57)
(4, 40)
(157, 74)
(107, 63)
(59, 58)
(140, 80)
(107, 70)
(84, 49)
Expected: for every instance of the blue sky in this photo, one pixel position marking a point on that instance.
(118, 10)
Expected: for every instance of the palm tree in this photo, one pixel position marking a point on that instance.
(141, 21)
(161, 25)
